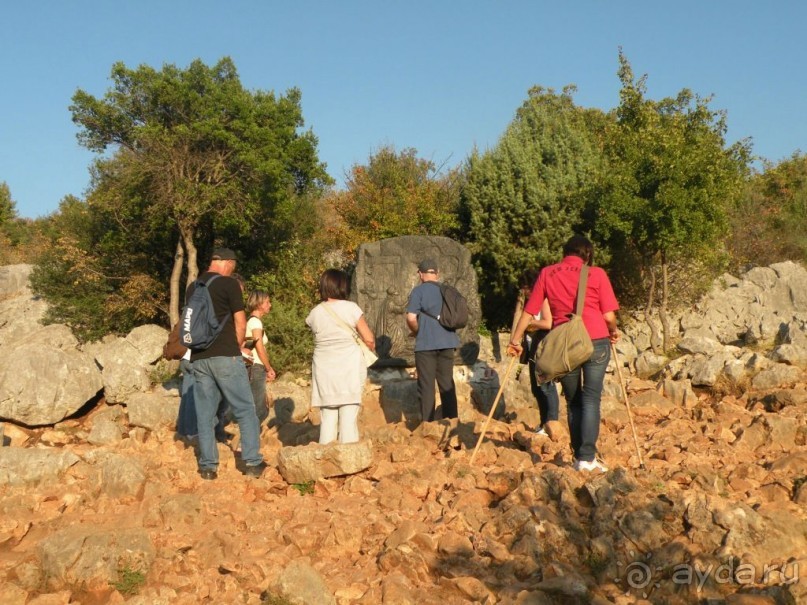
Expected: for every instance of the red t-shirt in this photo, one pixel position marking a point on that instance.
(558, 283)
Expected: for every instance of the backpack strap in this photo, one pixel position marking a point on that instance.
(207, 283)
(581, 290)
(440, 286)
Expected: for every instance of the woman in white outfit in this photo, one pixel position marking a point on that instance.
(338, 369)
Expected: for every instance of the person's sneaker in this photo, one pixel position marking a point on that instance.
(208, 474)
(255, 470)
(541, 432)
(590, 465)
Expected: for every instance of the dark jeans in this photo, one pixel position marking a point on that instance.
(186, 419)
(546, 394)
(257, 384)
(582, 389)
(436, 365)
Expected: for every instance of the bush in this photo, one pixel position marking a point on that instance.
(129, 581)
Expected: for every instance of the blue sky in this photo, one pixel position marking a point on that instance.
(438, 76)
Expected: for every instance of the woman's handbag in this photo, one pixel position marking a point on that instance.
(369, 356)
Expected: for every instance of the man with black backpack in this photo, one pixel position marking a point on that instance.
(434, 343)
(218, 366)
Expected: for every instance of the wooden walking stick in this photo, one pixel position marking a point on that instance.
(627, 404)
(493, 407)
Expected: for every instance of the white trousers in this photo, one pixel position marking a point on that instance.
(342, 420)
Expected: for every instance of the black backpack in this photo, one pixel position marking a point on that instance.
(454, 312)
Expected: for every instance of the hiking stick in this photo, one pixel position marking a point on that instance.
(493, 408)
(627, 404)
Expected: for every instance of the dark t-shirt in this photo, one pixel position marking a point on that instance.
(227, 300)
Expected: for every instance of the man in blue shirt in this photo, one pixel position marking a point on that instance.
(434, 344)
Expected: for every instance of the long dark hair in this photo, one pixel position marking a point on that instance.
(334, 283)
(581, 247)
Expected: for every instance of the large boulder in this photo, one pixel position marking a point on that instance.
(291, 401)
(752, 308)
(386, 272)
(305, 463)
(45, 378)
(29, 466)
(153, 410)
(127, 363)
(87, 556)
(120, 476)
(300, 583)
(20, 312)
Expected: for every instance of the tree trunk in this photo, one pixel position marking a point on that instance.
(176, 273)
(520, 302)
(665, 320)
(648, 312)
(190, 249)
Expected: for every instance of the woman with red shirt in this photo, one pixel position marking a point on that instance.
(582, 387)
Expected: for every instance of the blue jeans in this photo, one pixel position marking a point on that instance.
(186, 419)
(583, 391)
(225, 378)
(546, 394)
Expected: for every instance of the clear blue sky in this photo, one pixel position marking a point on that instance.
(439, 76)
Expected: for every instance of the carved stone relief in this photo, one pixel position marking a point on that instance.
(385, 274)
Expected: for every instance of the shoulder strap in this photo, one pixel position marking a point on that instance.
(581, 290)
(440, 287)
(207, 285)
(338, 319)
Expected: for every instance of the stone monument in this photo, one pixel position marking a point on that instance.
(386, 272)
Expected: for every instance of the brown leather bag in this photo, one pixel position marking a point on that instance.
(174, 349)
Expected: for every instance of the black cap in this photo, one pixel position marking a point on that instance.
(427, 264)
(223, 254)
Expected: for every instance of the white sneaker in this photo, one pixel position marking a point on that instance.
(541, 432)
(590, 465)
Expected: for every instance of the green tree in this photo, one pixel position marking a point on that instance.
(8, 209)
(525, 197)
(396, 193)
(20, 238)
(768, 221)
(72, 280)
(199, 157)
(670, 178)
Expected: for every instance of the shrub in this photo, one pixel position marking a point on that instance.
(130, 581)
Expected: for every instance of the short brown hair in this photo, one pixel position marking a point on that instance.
(334, 283)
(581, 247)
(256, 299)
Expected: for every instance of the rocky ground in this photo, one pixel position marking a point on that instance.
(717, 514)
(101, 503)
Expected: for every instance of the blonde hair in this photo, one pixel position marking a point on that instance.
(256, 299)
